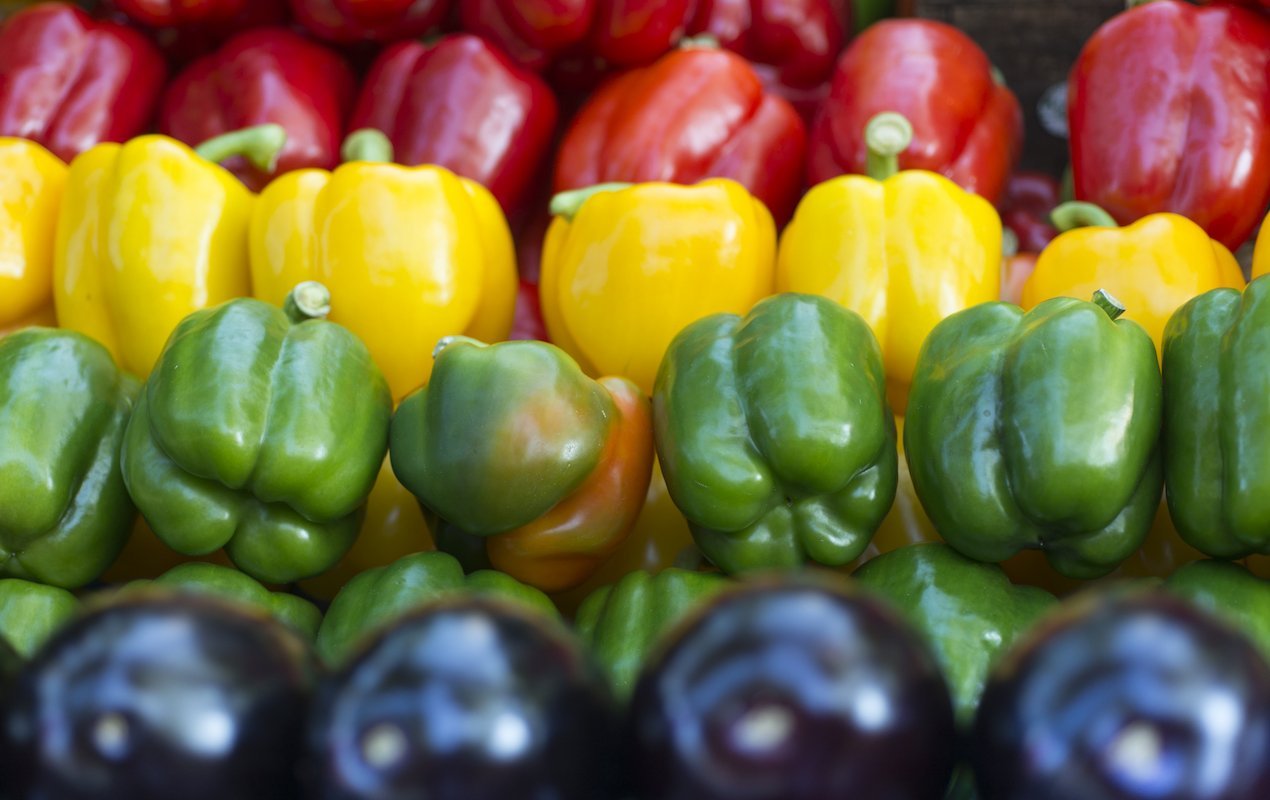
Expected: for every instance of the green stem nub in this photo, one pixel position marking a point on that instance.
(446, 341)
(1077, 214)
(1104, 300)
(1009, 243)
(567, 204)
(260, 145)
(308, 300)
(367, 144)
(702, 41)
(886, 136)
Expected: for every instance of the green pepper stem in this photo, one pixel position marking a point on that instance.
(1076, 214)
(887, 135)
(1009, 243)
(1067, 186)
(567, 204)
(998, 77)
(1104, 300)
(260, 145)
(308, 300)
(367, 144)
(446, 341)
(702, 41)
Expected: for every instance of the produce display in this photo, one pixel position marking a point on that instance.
(631, 400)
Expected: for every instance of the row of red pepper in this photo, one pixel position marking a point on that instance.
(1169, 103)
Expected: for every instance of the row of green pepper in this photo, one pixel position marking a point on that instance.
(261, 431)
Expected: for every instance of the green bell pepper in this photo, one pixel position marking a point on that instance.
(967, 611)
(1216, 354)
(522, 462)
(774, 435)
(1038, 430)
(64, 510)
(261, 432)
(230, 584)
(1229, 591)
(622, 623)
(31, 612)
(378, 597)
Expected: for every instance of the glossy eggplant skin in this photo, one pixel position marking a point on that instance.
(1138, 696)
(465, 699)
(792, 691)
(159, 695)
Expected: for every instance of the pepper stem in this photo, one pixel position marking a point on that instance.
(998, 77)
(1104, 300)
(567, 204)
(1076, 214)
(260, 145)
(308, 300)
(702, 41)
(367, 144)
(446, 341)
(887, 135)
(1009, 243)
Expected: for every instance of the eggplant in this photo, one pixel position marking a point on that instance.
(1130, 696)
(158, 695)
(465, 699)
(792, 691)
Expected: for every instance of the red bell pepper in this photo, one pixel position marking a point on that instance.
(966, 125)
(264, 75)
(613, 32)
(464, 105)
(370, 20)
(696, 112)
(1169, 110)
(69, 82)
(1025, 209)
(797, 42)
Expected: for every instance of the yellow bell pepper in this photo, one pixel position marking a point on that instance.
(1261, 253)
(410, 254)
(1152, 266)
(30, 196)
(151, 231)
(904, 250)
(626, 267)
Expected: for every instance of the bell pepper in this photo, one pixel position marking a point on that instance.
(967, 125)
(412, 254)
(659, 540)
(149, 232)
(1169, 110)
(261, 432)
(369, 20)
(918, 249)
(392, 528)
(967, 612)
(30, 197)
(1038, 430)
(31, 612)
(523, 463)
(618, 32)
(230, 584)
(268, 75)
(1214, 435)
(793, 43)
(1026, 205)
(69, 82)
(774, 434)
(145, 556)
(1152, 266)
(622, 623)
(189, 29)
(1229, 591)
(379, 597)
(724, 125)
(64, 510)
(624, 269)
(461, 104)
